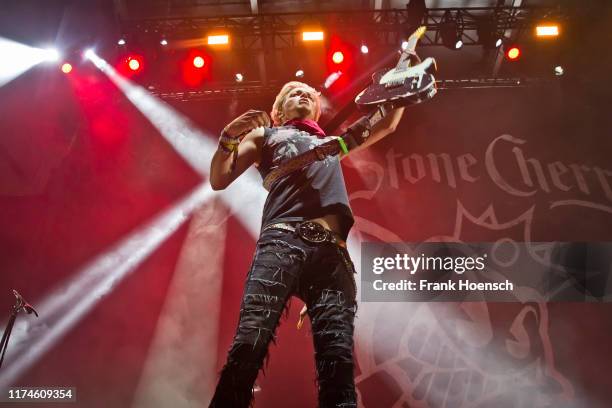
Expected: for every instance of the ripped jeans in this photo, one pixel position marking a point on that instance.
(321, 274)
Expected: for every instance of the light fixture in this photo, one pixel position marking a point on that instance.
(547, 30)
(513, 53)
(198, 61)
(559, 70)
(52, 55)
(450, 32)
(312, 35)
(239, 77)
(299, 73)
(333, 77)
(488, 34)
(134, 64)
(364, 49)
(164, 42)
(218, 39)
(337, 57)
(89, 52)
(66, 68)
(121, 41)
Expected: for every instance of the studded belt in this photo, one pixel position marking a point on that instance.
(310, 231)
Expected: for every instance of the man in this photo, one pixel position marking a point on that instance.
(301, 250)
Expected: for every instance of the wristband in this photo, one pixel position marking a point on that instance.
(228, 147)
(228, 139)
(342, 145)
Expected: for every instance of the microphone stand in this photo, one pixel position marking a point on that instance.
(20, 304)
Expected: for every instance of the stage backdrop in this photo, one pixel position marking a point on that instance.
(521, 164)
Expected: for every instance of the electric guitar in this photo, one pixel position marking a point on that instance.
(411, 81)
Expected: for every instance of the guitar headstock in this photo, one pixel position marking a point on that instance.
(412, 42)
(418, 33)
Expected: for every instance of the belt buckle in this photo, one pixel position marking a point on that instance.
(313, 232)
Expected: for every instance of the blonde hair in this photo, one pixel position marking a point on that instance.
(277, 108)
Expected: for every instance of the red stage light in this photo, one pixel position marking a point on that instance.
(340, 62)
(196, 67)
(66, 68)
(513, 53)
(338, 57)
(198, 62)
(134, 64)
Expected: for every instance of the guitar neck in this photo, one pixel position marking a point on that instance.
(379, 113)
(411, 45)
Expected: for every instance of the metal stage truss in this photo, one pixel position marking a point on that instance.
(256, 88)
(257, 32)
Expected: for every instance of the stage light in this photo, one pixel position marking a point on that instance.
(134, 64)
(338, 57)
(239, 77)
(18, 58)
(488, 35)
(196, 67)
(333, 77)
(547, 30)
(364, 49)
(121, 41)
(450, 32)
(404, 45)
(66, 68)
(198, 61)
(52, 55)
(164, 41)
(299, 73)
(88, 54)
(312, 35)
(513, 53)
(559, 70)
(218, 39)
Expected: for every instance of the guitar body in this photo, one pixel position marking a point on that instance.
(401, 87)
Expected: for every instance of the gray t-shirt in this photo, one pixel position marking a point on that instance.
(313, 191)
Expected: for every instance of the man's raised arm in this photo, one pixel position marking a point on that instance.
(242, 137)
(383, 128)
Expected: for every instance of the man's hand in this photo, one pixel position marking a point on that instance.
(249, 120)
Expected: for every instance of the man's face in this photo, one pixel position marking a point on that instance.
(300, 104)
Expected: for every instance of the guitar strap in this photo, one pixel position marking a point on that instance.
(355, 135)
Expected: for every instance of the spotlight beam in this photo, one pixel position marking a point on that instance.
(70, 301)
(66, 305)
(18, 58)
(195, 147)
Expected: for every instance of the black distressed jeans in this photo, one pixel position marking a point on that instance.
(321, 274)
